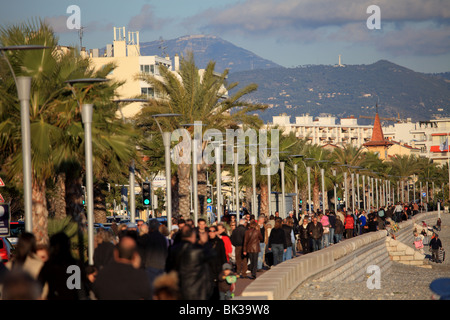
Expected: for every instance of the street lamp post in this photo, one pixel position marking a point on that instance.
(283, 196)
(308, 173)
(132, 167)
(218, 182)
(23, 86)
(334, 189)
(254, 201)
(357, 189)
(296, 189)
(236, 184)
(86, 117)
(269, 187)
(364, 191)
(166, 141)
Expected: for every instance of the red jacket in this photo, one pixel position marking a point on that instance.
(228, 247)
(349, 222)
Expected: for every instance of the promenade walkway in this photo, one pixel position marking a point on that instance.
(402, 282)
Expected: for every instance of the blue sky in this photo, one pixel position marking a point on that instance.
(414, 33)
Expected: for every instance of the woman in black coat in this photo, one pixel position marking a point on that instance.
(304, 236)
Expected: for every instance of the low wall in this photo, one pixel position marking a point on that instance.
(345, 261)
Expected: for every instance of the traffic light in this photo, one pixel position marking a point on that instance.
(83, 197)
(208, 196)
(146, 193)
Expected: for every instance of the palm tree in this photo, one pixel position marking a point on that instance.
(200, 97)
(56, 131)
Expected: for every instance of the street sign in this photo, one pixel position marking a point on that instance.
(209, 208)
(424, 194)
(1, 199)
(5, 217)
(2, 184)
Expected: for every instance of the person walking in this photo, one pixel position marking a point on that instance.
(104, 252)
(304, 236)
(251, 247)
(324, 220)
(222, 234)
(237, 240)
(262, 244)
(25, 258)
(53, 275)
(362, 222)
(332, 219)
(190, 259)
(289, 234)
(277, 242)
(153, 248)
(349, 225)
(216, 263)
(121, 280)
(435, 246)
(339, 229)
(315, 230)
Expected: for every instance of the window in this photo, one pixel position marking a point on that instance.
(149, 92)
(148, 68)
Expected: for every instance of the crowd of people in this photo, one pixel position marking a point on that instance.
(190, 262)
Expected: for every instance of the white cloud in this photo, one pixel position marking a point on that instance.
(309, 21)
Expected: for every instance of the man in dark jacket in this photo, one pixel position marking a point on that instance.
(237, 240)
(153, 250)
(190, 259)
(121, 279)
(316, 233)
(435, 245)
(218, 260)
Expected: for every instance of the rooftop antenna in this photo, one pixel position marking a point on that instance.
(162, 47)
(80, 35)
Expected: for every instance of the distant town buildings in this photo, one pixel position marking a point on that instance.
(324, 130)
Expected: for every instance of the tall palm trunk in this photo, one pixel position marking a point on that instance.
(40, 213)
(100, 203)
(316, 194)
(183, 190)
(304, 197)
(202, 189)
(175, 197)
(59, 199)
(74, 198)
(264, 193)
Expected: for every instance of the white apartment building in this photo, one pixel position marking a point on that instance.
(427, 135)
(325, 130)
(125, 53)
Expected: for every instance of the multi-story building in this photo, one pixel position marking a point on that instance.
(125, 54)
(324, 130)
(432, 137)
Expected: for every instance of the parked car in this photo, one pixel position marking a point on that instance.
(5, 250)
(16, 229)
(162, 220)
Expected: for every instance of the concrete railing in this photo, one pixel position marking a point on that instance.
(345, 261)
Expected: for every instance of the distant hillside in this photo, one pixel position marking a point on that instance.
(349, 90)
(207, 48)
